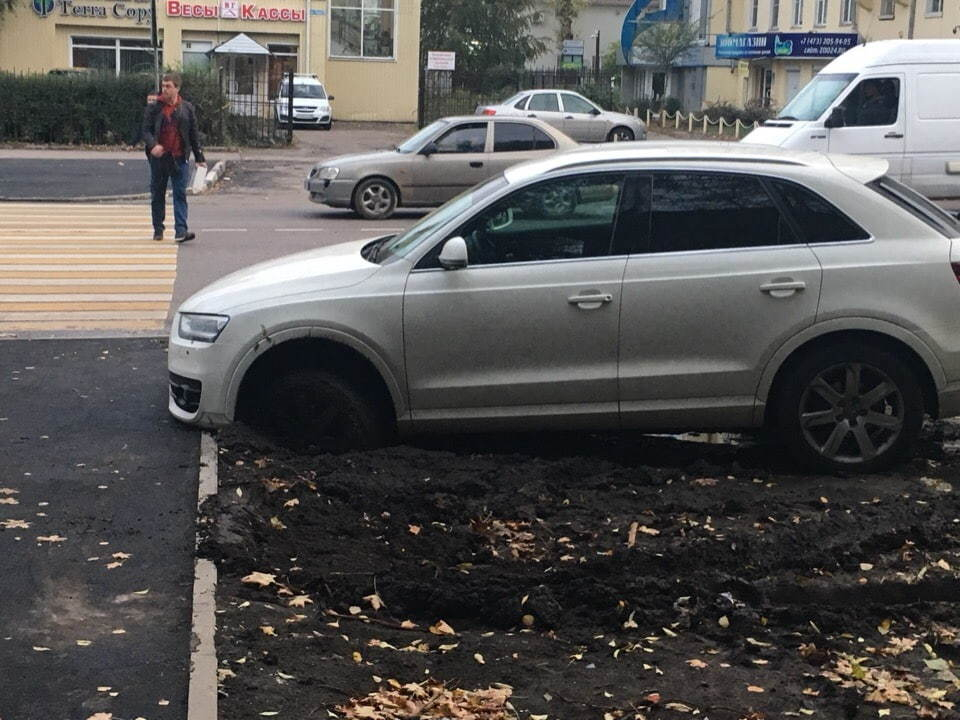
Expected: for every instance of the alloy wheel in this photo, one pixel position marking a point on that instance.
(376, 198)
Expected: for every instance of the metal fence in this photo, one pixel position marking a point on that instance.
(247, 112)
(458, 92)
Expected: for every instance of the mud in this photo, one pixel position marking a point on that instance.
(628, 576)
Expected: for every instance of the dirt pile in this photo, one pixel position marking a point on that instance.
(592, 577)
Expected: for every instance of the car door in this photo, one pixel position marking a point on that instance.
(720, 279)
(546, 106)
(515, 141)
(456, 161)
(581, 121)
(529, 328)
(874, 121)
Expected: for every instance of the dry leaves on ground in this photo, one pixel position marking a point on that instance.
(430, 700)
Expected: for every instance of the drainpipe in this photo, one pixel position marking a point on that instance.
(306, 44)
(729, 16)
(913, 18)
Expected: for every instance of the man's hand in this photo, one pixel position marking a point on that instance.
(157, 151)
(202, 164)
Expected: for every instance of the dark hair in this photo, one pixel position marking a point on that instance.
(173, 77)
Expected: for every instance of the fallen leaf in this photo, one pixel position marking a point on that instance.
(291, 503)
(269, 713)
(441, 628)
(647, 531)
(755, 689)
(355, 610)
(479, 658)
(357, 657)
(943, 564)
(632, 534)
(104, 688)
(9, 491)
(9, 501)
(448, 648)
(296, 618)
(696, 663)
(679, 707)
(299, 601)
(114, 565)
(375, 601)
(724, 622)
(15, 524)
(653, 697)
(121, 556)
(224, 673)
(118, 631)
(414, 529)
(884, 627)
(51, 538)
(41, 649)
(141, 592)
(408, 625)
(84, 643)
(268, 630)
(163, 703)
(259, 578)
(101, 716)
(276, 524)
(866, 566)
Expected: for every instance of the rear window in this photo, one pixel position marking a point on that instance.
(917, 205)
(818, 220)
(514, 137)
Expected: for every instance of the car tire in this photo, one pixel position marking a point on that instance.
(375, 199)
(317, 410)
(328, 126)
(851, 407)
(620, 134)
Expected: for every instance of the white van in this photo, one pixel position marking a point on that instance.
(894, 99)
(311, 104)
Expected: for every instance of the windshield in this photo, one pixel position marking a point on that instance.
(305, 91)
(413, 144)
(811, 102)
(404, 243)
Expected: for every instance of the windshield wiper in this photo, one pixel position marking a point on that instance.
(784, 117)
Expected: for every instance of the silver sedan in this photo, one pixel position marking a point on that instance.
(571, 112)
(439, 162)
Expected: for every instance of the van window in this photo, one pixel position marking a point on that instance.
(818, 95)
(917, 205)
(873, 102)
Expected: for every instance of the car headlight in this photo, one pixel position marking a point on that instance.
(202, 328)
(328, 173)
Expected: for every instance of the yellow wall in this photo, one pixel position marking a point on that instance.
(722, 86)
(365, 89)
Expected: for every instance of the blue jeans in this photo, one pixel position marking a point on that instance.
(176, 170)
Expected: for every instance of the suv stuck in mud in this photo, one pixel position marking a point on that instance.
(640, 286)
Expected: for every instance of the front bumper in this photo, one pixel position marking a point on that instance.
(335, 193)
(198, 379)
(307, 117)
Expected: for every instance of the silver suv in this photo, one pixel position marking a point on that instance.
(645, 286)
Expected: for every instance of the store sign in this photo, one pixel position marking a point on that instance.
(137, 11)
(794, 45)
(237, 11)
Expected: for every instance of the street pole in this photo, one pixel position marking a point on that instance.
(155, 43)
(596, 59)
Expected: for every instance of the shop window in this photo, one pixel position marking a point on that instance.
(116, 55)
(362, 28)
(821, 14)
(195, 55)
(797, 13)
(846, 12)
(888, 9)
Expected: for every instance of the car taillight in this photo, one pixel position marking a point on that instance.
(956, 270)
(489, 111)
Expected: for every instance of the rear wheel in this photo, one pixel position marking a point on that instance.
(318, 410)
(620, 134)
(375, 199)
(853, 408)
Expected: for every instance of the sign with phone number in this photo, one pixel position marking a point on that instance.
(794, 45)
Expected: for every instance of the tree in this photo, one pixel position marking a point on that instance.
(485, 34)
(663, 43)
(567, 12)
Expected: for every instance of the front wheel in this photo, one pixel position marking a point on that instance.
(620, 134)
(375, 199)
(850, 408)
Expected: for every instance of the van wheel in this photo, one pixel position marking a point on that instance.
(850, 408)
(375, 199)
(319, 410)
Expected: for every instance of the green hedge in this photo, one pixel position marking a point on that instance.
(104, 109)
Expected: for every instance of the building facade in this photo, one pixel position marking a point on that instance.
(366, 52)
(601, 19)
(765, 51)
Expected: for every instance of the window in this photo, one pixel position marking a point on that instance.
(797, 12)
(561, 219)
(821, 12)
(362, 28)
(917, 205)
(888, 9)
(712, 211)
(575, 104)
(116, 55)
(469, 138)
(195, 54)
(873, 102)
(522, 103)
(818, 220)
(934, 7)
(847, 10)
(544, 102)
(774, 14)
(519, 137)
(754, 13)
(816, 97)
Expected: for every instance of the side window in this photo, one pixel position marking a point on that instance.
(544, 102)
(469, 138)
(712, 211)
(512, 137)
(542, 141)
(574, 104)
(818, 220)
(560, 219)
(873, 102)
(522, 103)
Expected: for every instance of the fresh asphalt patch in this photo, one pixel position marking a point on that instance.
(72, 179)
(98, 492)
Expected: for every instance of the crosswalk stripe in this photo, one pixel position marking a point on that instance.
(71, 267)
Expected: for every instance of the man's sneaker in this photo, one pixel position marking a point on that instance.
(158, 238)
(185, 237)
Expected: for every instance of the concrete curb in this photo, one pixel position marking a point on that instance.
(103, 198)
(202, 693)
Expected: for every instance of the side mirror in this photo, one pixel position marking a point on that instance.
(453, 256)
(429, 149)
(836, 119)
(595, 111)
(331, 98)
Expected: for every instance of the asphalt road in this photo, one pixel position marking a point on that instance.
(96, 592)
(32, 178)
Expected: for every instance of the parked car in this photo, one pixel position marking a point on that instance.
(443, 159)
(571, 112)
(311, 104)
(894, 99)
(709, 286)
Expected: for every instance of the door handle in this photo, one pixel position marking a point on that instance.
(568, 117)
(590, 302)
(893, 136)
(476, 163)
(532, 115)
(783, 288)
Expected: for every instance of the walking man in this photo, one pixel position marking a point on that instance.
(170, 135)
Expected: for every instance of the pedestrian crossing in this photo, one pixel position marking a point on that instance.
(81, 267)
